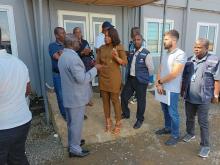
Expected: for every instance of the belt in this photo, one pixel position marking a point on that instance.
(132, 77)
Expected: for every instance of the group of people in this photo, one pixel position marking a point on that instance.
(196, 79)
(75, 67)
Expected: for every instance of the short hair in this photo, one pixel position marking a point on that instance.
(76, 28)
(142, 38)
(113, 34)
(173, 33)
(70, 40)
(138, 34)
(204, 41)
(56, 30)
(135, 30)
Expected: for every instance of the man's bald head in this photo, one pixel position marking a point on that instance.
(71, 42)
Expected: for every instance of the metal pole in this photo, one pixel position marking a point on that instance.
(139, 17)
(163, 29)
(187, 21)
(41, 60)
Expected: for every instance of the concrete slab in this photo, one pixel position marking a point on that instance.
(93, 130)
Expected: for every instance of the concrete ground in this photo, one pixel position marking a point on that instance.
(139, 147)
(93, 130)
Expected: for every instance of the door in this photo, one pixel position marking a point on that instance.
(90, 24)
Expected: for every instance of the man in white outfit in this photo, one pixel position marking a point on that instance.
(15, 116)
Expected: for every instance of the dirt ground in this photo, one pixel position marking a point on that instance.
(143, 149)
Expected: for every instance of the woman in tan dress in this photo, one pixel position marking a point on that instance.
(112, 56)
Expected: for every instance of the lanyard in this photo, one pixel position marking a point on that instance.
(195, 64)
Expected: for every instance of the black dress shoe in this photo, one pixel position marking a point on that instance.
(82, 154)
(85, 117)
(138, 124)
(85, 151)
(123, 116)
(82, 142)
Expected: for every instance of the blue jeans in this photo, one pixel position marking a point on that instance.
(171, 115)
(58, 90)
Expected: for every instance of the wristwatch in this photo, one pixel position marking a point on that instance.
(159, 82)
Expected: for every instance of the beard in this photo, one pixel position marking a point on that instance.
(167, 45)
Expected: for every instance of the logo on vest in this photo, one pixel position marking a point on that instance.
(143, 54)
(141, 60)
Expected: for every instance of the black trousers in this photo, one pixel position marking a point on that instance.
(202, 110)
(132, 85)
(12, 145)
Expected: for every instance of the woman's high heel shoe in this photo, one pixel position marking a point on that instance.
(117, 129)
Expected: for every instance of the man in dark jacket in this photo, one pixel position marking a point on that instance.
(140, 67)
(200, 87)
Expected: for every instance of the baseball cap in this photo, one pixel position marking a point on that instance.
(107, 24)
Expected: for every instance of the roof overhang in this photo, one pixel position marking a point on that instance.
(128, 3)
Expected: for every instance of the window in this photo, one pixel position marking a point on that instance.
(153, 33)
(210, 32)
(8, 37)
(90, 24)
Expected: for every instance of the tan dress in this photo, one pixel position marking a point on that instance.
(110, 76)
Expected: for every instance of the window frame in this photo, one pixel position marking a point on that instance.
(11, 25)
(155, 20)
(199, 24)
(61, 23)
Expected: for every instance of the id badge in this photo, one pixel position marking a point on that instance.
(193, 78)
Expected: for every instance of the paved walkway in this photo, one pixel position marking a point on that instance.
(93, 130)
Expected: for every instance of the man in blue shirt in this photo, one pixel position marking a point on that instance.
(55, 51)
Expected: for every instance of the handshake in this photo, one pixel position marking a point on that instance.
(98, 66)
(93, 64)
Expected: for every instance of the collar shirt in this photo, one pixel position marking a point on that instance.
(194, 94)
(148, 62)
(132, 71)
(55, 47)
